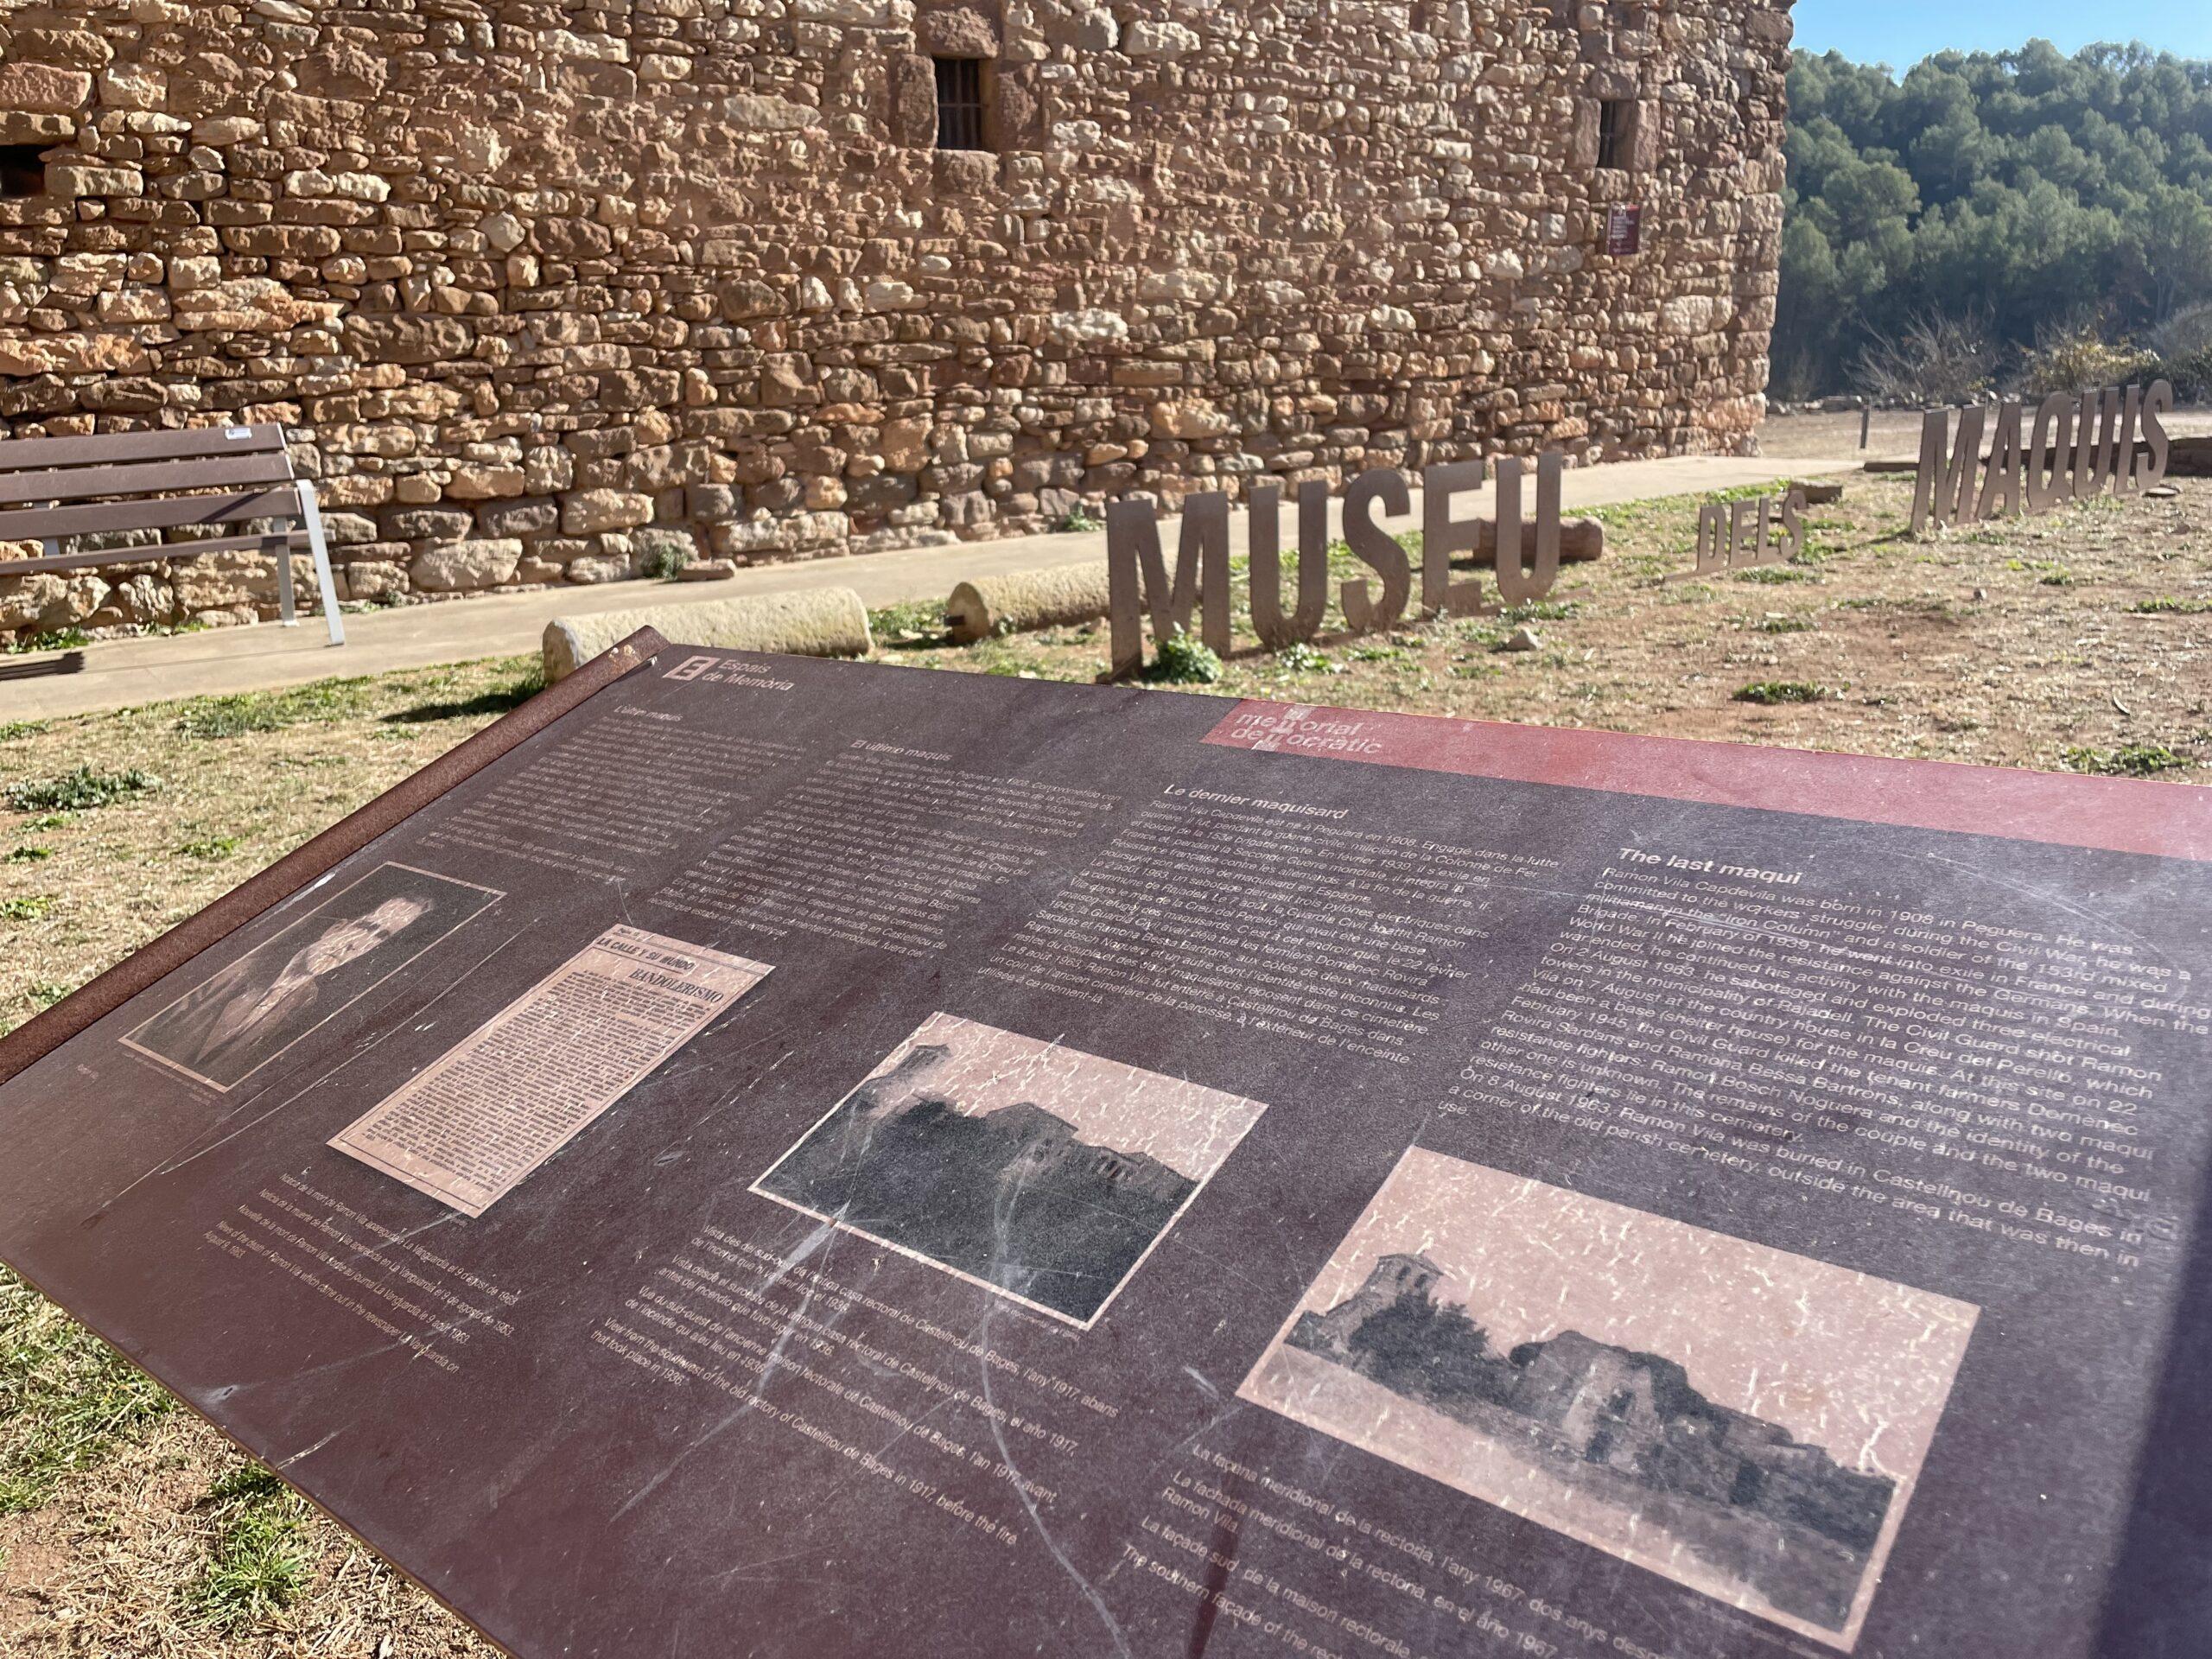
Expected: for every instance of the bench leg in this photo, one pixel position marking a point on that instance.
(311, 509)
(279, 548)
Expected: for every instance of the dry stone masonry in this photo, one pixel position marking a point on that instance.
(572, 290)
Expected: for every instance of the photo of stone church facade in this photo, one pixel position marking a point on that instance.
(554, 293)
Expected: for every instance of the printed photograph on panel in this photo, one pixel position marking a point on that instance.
(1042, 1172)
(243, 1016)
(1745, 1421)
(489, 1112)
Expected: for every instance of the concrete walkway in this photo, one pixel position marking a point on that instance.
(122, 673)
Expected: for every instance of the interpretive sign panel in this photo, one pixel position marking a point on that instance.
(782, 1157)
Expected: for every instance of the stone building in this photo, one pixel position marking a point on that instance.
(566, 290)
(1394, 1280)
(905, 1086)
(1634, 1413)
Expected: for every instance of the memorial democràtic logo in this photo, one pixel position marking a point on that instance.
(690, 669)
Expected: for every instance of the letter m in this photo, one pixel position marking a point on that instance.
(1943, 490)
(1136, 576)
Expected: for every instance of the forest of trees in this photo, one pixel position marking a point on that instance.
(2024, 208)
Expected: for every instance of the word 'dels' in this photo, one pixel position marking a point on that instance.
(1752, 529)
(1138, 580)
(2072, 451)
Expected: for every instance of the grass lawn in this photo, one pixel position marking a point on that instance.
(2078, 641)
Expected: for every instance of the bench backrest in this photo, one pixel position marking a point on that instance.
(144, 480)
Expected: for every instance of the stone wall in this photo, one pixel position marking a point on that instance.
(555, 290)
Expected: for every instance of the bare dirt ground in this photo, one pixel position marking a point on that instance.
(2077, 641)
(1895, 432)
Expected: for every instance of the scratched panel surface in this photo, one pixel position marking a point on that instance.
(1048, 1169)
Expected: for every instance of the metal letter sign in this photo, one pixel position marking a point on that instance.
(1141, 586)
(2075, 448)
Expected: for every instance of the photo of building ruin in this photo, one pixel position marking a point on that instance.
(558, 294)
(1046, 1174)
(1744, 1421)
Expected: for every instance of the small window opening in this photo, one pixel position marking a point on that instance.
(22, 170)
(1614, 116)
(960, 104)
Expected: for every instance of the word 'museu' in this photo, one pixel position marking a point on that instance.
(2070, 453)
(1138, 580)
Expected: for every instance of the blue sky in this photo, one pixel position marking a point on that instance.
(1902, 32)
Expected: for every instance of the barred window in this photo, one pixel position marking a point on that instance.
(960, 104)
(1615, 117)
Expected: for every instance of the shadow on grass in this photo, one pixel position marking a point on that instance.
(484, 702)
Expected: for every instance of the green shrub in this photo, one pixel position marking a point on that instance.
(2190, 373)
(2076, 356)
(2128, 761)
(1541, 610)
(79, 791)
(911, 625)
(1772, 691)
(1303, 658)
(1181, 660)
(54, 640)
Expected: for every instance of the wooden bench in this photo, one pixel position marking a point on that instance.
(211, 489)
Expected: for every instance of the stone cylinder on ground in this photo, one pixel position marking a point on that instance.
(821, 622)
(1024, 600)
(1581, 540)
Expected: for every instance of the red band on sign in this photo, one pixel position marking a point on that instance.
(2121, 814)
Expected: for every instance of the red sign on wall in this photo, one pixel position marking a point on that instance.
(1623, 230)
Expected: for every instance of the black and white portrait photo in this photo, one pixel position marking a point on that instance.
(245, 1015)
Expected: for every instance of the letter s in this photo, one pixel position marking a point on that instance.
(2159, 400)
(1378, 548)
